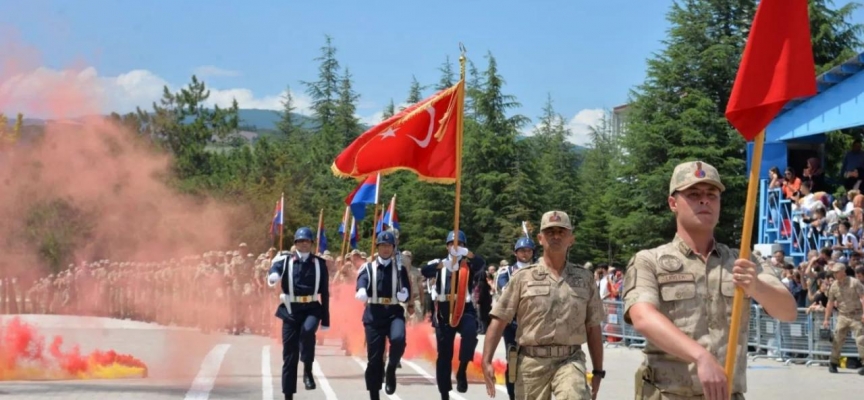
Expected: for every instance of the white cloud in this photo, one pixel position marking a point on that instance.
(378, 117)
(205, 71)
(48, 93)
(580, 125)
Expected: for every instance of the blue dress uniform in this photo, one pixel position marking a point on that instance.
(504, 275)
(303, 278)
(382, 284)
(446, 334)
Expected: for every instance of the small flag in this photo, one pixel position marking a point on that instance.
(365, 193)
(278, 218)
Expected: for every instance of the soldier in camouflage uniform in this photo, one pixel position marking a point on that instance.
(679, 297)
(847, 296)
(549, 359)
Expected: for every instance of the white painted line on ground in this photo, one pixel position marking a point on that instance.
(431, 378)
(329, 394)
(206, 378)
(363, 365)
(266, 374)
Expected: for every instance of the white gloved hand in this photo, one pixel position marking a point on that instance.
(450, 265)
(458, 251)
(434, 295)
(272, 279)
(402, 295)
(361, 295)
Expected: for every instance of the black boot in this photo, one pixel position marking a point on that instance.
(307, 376)
(289, 397)
(832, 368)
(861, 371)
(374, 395)
(445, 396)
(390, 379)
(462, 377)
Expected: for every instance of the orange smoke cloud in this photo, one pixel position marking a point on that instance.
(22, 356)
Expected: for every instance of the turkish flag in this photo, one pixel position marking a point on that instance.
(423, 138)
(777, 66)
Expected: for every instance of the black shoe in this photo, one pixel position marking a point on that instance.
(390, 380)
(308, 382)
(289, 397)
(461, 382)
(832, 368)
(374, 395)
(861, 371)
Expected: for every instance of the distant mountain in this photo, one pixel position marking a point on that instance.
(257, 119)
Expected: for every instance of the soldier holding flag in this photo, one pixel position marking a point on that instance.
(302, 277)
(447, 327)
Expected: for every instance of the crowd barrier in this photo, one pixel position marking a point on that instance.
(802, 341)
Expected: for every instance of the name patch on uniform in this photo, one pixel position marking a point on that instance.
(671, 278)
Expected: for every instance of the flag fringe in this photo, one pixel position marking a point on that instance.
(423, 178)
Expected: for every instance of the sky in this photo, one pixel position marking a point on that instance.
(586, 55)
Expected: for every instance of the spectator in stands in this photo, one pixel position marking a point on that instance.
(853, 163)
(797, 289)
(819, 299)
(814, 175)
(846, 240)
(791, 183)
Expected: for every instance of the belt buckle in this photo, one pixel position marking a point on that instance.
(385, 301)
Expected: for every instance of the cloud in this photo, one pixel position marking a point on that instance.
(378, 117)
(205, 71)
(580, 125)
(28, 92)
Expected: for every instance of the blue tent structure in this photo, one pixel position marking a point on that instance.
(798, 133)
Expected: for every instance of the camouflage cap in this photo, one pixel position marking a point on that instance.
(690, 173)
(553, 219)
(837, 267)
(354, 252)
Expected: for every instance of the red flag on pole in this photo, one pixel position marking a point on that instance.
(422, 138)
(777, 66)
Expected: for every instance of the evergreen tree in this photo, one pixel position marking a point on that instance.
(389, 111)
(835, 38)
(448, 75)
(346, 123)
(325, 90)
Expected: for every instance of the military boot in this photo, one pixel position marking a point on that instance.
(307, 376)
(390, 379)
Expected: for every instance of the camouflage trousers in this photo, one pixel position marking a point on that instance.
(538, 378)
(844, 326)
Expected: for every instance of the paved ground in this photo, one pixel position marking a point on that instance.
(185, 364)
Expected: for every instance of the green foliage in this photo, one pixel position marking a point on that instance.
(56, 228)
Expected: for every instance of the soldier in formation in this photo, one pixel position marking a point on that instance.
(383, 284)
(304, 305)
(548, 358)
(679, 297)
(445, 329)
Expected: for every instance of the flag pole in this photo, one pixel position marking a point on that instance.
(459, 130)
(345, 234)
(318, 234)
(375, 214)
(744, 252)
(281, 220)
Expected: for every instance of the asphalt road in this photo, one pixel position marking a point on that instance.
(187, 364)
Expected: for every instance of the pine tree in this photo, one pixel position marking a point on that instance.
(389, 111)
(448, 75)
(287, 125)
(835, 39)
(325, 90)
(345, 121)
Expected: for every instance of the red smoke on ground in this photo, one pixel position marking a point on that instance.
(346, 324)
(114, 183)
(23, 356)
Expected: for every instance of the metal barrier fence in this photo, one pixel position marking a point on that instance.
(803, 341)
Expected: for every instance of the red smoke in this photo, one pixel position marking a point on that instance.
(346, 314)
(22, 356)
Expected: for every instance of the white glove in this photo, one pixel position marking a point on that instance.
(361, 295)
(325, 328)
(457, 251)
(434, 295)
(272, 279)
(451, 266)
(402, 295)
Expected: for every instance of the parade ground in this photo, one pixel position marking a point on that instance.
(187, 364)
